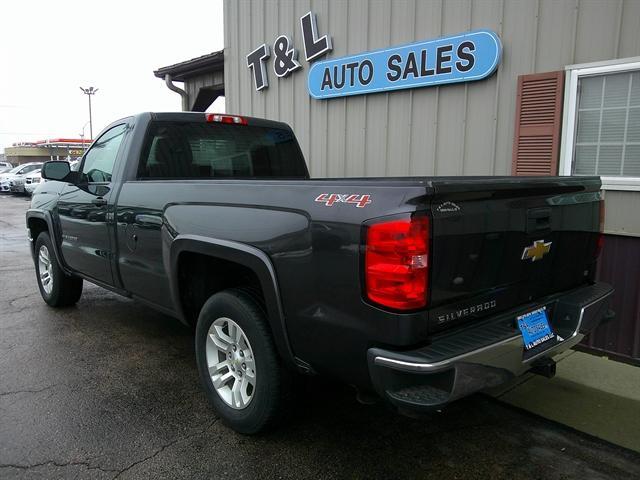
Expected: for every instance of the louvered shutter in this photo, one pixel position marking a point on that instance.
(536, 146)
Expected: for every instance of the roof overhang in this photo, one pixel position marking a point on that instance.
(212, 62)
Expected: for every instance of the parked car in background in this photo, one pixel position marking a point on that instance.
(31, 181)
(5, 169)
(17, 172)
(7, 165)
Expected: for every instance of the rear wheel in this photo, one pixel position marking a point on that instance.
(239, 367)
(56, 288)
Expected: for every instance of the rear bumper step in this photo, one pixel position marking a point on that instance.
(485, 355)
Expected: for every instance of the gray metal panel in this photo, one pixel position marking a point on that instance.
(357, 15)
(245, 43)
(457, 129)
(629, 45)
(598, 30)
(621, 212)
(337, 114)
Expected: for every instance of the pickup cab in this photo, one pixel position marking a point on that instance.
(420, 290)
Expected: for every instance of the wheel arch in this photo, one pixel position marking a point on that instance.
(246, 256)
(39, 221)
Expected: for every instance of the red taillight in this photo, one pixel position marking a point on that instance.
(396, 263)
(234, 119)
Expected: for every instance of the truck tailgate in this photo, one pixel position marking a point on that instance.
(500, 242)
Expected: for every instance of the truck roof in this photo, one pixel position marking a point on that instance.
(202, 116)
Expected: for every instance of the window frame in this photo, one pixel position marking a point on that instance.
(147, 144)
(570, 117)
(94, 143)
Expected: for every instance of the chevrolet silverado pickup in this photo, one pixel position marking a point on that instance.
(420, 290)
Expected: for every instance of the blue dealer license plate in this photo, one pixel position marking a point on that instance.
(535, 328)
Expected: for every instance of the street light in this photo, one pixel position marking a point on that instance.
(88, 92)
(82, 136)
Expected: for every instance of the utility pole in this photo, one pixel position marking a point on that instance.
(82, 137)
(88, 92)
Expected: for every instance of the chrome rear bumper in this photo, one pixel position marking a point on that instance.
(485, 355)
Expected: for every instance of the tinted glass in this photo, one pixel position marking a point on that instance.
(216, 150)
(99, 160)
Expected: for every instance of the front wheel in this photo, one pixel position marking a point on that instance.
(56, 288)
(239, 366)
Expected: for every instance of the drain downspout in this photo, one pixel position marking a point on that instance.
(183, 94)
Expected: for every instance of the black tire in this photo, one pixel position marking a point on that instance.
(65, 290)
(272, 382)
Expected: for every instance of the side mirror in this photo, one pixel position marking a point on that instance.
(56, 170)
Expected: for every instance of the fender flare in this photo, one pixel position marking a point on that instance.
(246, 255)
(46, 216)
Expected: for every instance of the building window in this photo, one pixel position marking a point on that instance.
(602, 124)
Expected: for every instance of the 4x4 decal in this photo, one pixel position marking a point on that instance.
(329, 199)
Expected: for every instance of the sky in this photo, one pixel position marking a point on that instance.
(49, 49)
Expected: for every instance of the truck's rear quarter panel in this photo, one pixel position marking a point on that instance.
(315, 250)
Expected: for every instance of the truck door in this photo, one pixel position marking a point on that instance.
(83, 209)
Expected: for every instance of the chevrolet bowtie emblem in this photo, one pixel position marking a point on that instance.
(536, 251)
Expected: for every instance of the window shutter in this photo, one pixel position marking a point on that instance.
(536, 146)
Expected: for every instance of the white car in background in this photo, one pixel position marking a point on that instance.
(31, 181)
(15, 175)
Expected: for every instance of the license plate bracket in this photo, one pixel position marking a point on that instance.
(535, 328)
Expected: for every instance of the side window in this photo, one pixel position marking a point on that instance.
(99, 160)
(27, 169)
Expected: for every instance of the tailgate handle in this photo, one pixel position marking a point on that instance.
(538, 219)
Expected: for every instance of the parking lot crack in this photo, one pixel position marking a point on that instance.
(164, 447)
(16, 392)
(54, 463)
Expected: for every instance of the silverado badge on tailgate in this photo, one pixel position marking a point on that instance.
(536, 251)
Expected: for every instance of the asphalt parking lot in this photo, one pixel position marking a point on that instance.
(109, 389)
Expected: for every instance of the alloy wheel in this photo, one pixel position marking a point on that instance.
(45, 267)
(231, 363)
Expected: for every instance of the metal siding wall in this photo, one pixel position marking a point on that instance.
(622, 215)
(482, 102)
(452, 101)
(458, 129)
(598, 30)
(629, 45)
(424, 114)
(357, 15)
(398, 118)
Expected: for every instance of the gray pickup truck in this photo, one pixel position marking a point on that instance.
(419, 290)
